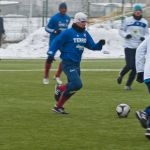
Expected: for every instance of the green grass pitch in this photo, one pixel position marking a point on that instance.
(27, 122)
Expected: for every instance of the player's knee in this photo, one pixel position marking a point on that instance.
(133, 69)
(78, 86)
(49, 60)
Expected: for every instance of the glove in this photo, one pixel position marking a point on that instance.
(102, 42)
(139, 77)
(142, 38)
(128, 36)
(57, 32)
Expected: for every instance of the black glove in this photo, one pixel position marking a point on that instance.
(57, 31)
(139, 77)
(142, 38)
(102, 42)
(128, 36)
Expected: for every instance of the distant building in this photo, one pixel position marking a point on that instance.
(47, 8)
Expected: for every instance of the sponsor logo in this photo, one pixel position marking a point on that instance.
(72, 70)
(79, 40)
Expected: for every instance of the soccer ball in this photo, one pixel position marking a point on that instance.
(123, 110)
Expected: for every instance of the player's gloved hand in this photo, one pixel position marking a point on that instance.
(139, 77)
(142, 38)
(102, 42)
(57, 31)
(128, 36)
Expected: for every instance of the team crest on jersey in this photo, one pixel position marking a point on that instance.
(135, 31)
(80, 47)
(62, 24)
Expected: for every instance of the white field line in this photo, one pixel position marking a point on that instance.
(39, 70)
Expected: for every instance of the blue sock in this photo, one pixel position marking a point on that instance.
(147, 110)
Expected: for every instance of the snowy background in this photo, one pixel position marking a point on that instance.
(36, 45)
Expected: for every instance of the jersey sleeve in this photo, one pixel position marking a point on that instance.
(51, 26)
(140, 56)
(57, 43)
(90, 44)
(123, 29)
(147, 31)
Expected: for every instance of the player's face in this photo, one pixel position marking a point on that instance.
(63, 11)
(82, 24)
(138, 13)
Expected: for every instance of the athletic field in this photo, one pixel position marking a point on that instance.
(27, 122)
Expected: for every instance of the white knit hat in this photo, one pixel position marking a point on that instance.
(79, 17)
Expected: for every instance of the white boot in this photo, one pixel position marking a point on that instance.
(45, 81)
(58, 80)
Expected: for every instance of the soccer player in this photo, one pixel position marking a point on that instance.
(71, 43)
(143, 75)
(2, 31)
(134, 30)
(58, 23)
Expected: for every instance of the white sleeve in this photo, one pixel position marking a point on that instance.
(123, 28)
(147, 31)
(140, 56)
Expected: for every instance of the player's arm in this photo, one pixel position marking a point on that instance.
(140, 60)
(90, 44)
(52, 26)
(140, 55)
(147, 30)
(146, 33)
(123, 30)
(57, 43)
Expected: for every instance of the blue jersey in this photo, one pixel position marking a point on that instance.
(71, 44)
(57, 22)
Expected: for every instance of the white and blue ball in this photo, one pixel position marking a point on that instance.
(123, 110)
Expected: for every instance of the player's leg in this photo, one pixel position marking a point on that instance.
(0, 39)
(130, 80)
(148, 86)
(144, 116)
(147, 110)
(58, 73)
(131, 64)
(126, 68)
(73, 85)
(47, 67)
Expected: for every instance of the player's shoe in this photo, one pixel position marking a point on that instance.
(147, 133)
(45, 81)
(119, 80)
(57, 92)
(58, 80)
(142, 117)
(128, 88)
(59, 110)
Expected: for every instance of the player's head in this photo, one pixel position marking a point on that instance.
(62, 8)
(80, 19)
(137, 9)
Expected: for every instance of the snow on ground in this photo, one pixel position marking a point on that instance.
(36, 45)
